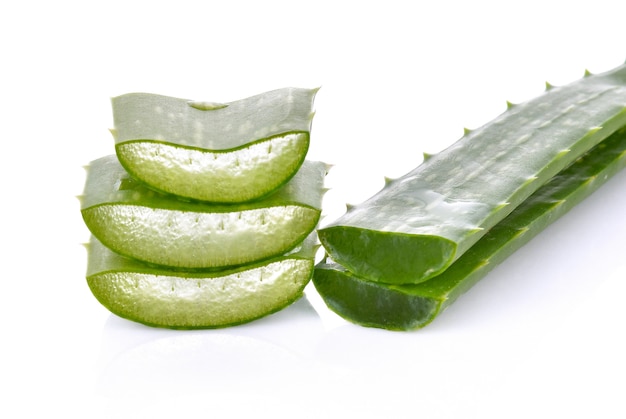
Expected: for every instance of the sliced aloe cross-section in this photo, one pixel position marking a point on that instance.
(155, 228)
(404, 307)
(232, 152)
(187, 300)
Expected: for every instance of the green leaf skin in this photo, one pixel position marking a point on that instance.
(407, 307)
(226, 153)
(140, 223)
(186, 300)
(419, 224)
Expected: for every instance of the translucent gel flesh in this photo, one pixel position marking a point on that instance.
(238, 175)
(200, 239)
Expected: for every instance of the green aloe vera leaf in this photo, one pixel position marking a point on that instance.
(420, 223)
(406, 307)
(140, 223)
(228, 153)
(192, 300)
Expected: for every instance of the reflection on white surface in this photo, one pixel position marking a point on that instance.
(150, 362)
(530, 328)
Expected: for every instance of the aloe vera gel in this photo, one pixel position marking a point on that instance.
(231, 152)
(205, 215)
(188, 300)
(137, 222)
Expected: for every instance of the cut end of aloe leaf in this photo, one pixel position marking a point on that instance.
(370, 304)
(198, 240)
(218, 152)
(137, 222)
(188, 301)
(388, 257)
(230, 176)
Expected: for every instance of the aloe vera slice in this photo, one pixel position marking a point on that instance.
(417, 225)
(143, 224)
(187, 300)
(233, 152)
(405, 307)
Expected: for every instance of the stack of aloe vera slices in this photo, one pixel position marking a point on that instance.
(205, 216)
(398, 259)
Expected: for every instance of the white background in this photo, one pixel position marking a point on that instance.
(539, 337)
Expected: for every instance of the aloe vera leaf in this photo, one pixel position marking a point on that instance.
(233, 152)
(417, 225)
(155, 228)
(191, 300)
(406, 307)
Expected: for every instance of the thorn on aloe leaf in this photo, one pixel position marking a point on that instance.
(349, 207)
(549, 86)
(476, 230)
(501, 205)
(521, 231)
(593, 130)
(530, 180)
(427, 156)
(563, 152)
(510, 105)
(113, 132)
(388, 180)
(587, 73)
(466, 131)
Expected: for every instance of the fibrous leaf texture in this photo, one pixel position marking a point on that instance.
(419, 224)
